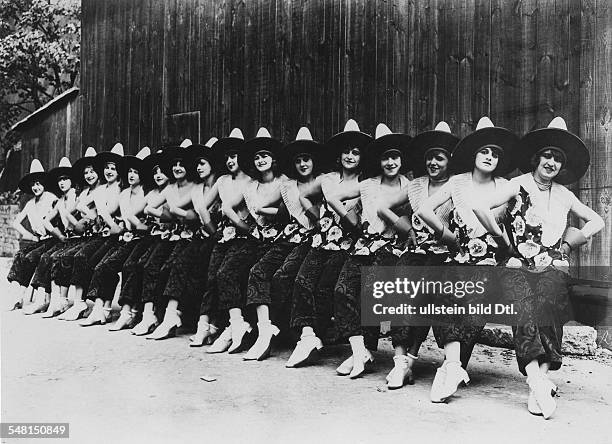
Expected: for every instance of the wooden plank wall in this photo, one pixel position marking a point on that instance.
(409, 63)
(49, 137)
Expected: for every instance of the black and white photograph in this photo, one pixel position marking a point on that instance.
(297, 221)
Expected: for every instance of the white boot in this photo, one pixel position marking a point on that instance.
(450, 379)
(543, 391)
(167, 329)
(362, 358)
(223, 342)
(39, 305)
(146, 325)
(261, 349)
(305, 350)
(401, 372)
(204, 335)
(240, 328)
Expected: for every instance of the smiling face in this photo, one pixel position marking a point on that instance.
(436, 163)
(304, 164)
(263, 161)
(64, 183)
(37, 188)
(390, 163)
(110, 172)
(203, 168)
(550, 162)
(178, 169)
(231, 162)
(486, 159)
(133, 176)
(159, 177)
(350, 158)
(90, 175)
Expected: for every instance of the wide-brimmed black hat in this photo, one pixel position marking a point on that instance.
(198, 151)
(137, 162)
(37, 174)
(440, 138)
(115, 155)
(303, 144)
(156, 159)
(385, 140)
(263, 141)
(63, 169)
(174, 152)
(231, 143)
(350, 136)
(90, 158)
(577, 156)
(486, 134)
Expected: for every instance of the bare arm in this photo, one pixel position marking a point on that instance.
(428, 208)
(17, 225)
(482, 208)
(594, 222)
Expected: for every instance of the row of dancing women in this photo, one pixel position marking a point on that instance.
(265, 241)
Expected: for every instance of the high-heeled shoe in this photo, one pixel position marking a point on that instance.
(261, 349)
(96, 317)
(146, 326)
(305, 352)
(401, 373)
(543, 390)
(240, 337)
(17, 305)
(204, 336)
(39, 305)
(56, 307)
(346, 367)
(168, 327)
(223, 342)
(362, 363)
(453, 376)
(74, 313)
(126, 320)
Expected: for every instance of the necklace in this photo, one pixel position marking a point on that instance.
(542, 186)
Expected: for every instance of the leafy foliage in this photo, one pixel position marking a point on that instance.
(39, 55)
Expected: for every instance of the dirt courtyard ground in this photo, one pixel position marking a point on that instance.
(113, 387)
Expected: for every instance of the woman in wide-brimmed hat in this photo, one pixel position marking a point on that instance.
(481, 157)
(86, 171)
(431, 153)
(186, 269)
(177, 161)
(536, 278)
(261, 197)
(150, 231)
(268, 293)
(231, 234)
(378, 244)
(60, 180)
(36, 210)
(337, 230)
(106, 200)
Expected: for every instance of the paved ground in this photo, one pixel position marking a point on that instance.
(113, 387)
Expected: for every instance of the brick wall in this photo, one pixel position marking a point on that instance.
(9, 238)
